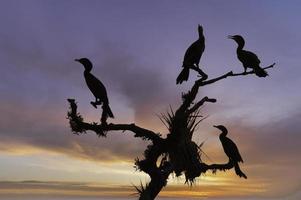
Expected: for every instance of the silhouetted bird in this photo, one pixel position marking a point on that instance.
(97, 88)
(192, 58)
(248, 59)
(231, 150)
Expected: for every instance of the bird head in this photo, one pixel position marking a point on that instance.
(86, 63)
(222, 128)
(237, 38)
(200, 30)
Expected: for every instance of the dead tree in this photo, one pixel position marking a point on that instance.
(177, 152)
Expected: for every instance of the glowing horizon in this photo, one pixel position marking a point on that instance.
(137, 50)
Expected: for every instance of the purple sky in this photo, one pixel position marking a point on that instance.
(137, 48)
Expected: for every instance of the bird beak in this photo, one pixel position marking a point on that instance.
(77, 60)
(230, 37)
(214, 126)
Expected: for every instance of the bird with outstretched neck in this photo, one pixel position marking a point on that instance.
(230, 150)
(97, 88)
(247, 58)
(192, 58)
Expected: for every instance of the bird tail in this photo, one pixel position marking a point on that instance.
(183, 76)
(108, 111)
(238, 171)
(260, 72)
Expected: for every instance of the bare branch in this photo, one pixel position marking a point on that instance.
(215, 167)
(78, 126)
(200, 103)
(200, 82)
(253, 72)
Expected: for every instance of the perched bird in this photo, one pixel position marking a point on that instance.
(192, 58)
(97, 88)
(247, 58)
(230, 150)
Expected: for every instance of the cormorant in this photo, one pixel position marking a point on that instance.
(97, 88)
(192, 58)
(247, 58)
(231, 150)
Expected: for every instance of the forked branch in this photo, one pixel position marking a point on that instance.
(191, 95)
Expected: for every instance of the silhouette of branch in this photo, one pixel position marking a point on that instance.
(222, 167)
(188, 98)
(200, 103)
(200, 82)
(215, 167)
(157, 182)
(253, 72)
(79, 126)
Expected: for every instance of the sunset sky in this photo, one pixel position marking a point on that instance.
(137, 49)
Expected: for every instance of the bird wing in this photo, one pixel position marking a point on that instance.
(194, 53)
(249, 58)
(231, 150)
(96, 87)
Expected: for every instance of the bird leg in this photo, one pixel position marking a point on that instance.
(201, 73)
